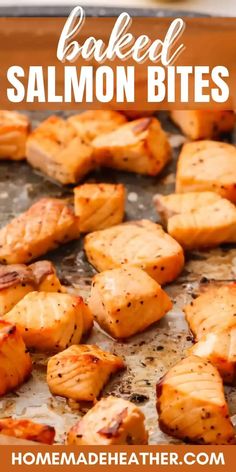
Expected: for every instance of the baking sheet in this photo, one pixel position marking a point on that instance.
(64, 10)
(148, 355)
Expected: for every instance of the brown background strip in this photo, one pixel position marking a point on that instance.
(228, 451)
(33, 41)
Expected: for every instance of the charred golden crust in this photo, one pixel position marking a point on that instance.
(41, 269)
(6, 330)
(141, 125)
(14, 274)
(112, 431)
(159, 386)
(26, 429)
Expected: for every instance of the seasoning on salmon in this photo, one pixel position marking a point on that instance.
(139, 146)
(27, 429)
(179, 203)
(14, 129)
(93, 123)
(208, 226)
(212, 311)
(127, 300)
(111, 421)
(43, 227)
(16, 280)
(15, 361)
(219, 348)
(203, 124)
(191, 404)
(99, 206)
(49, 321)
(81, 372)
(207, 165)
(141, 244)
(56, 150)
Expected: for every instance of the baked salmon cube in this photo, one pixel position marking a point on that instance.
(43, 227)
(191, 404)
(27, 429)
(16, 280)
(126, 301)
(207, 165)
(92, 123)
(208, 226)
(111, 421)
(212, 310)
(139, 146)
(49, 321)
(203, 124)
(81, 372)
(99, 206)
(14, 130)
(141, 244)
(179, 203)
(56, 150)
(220, 349)
(15, 361)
